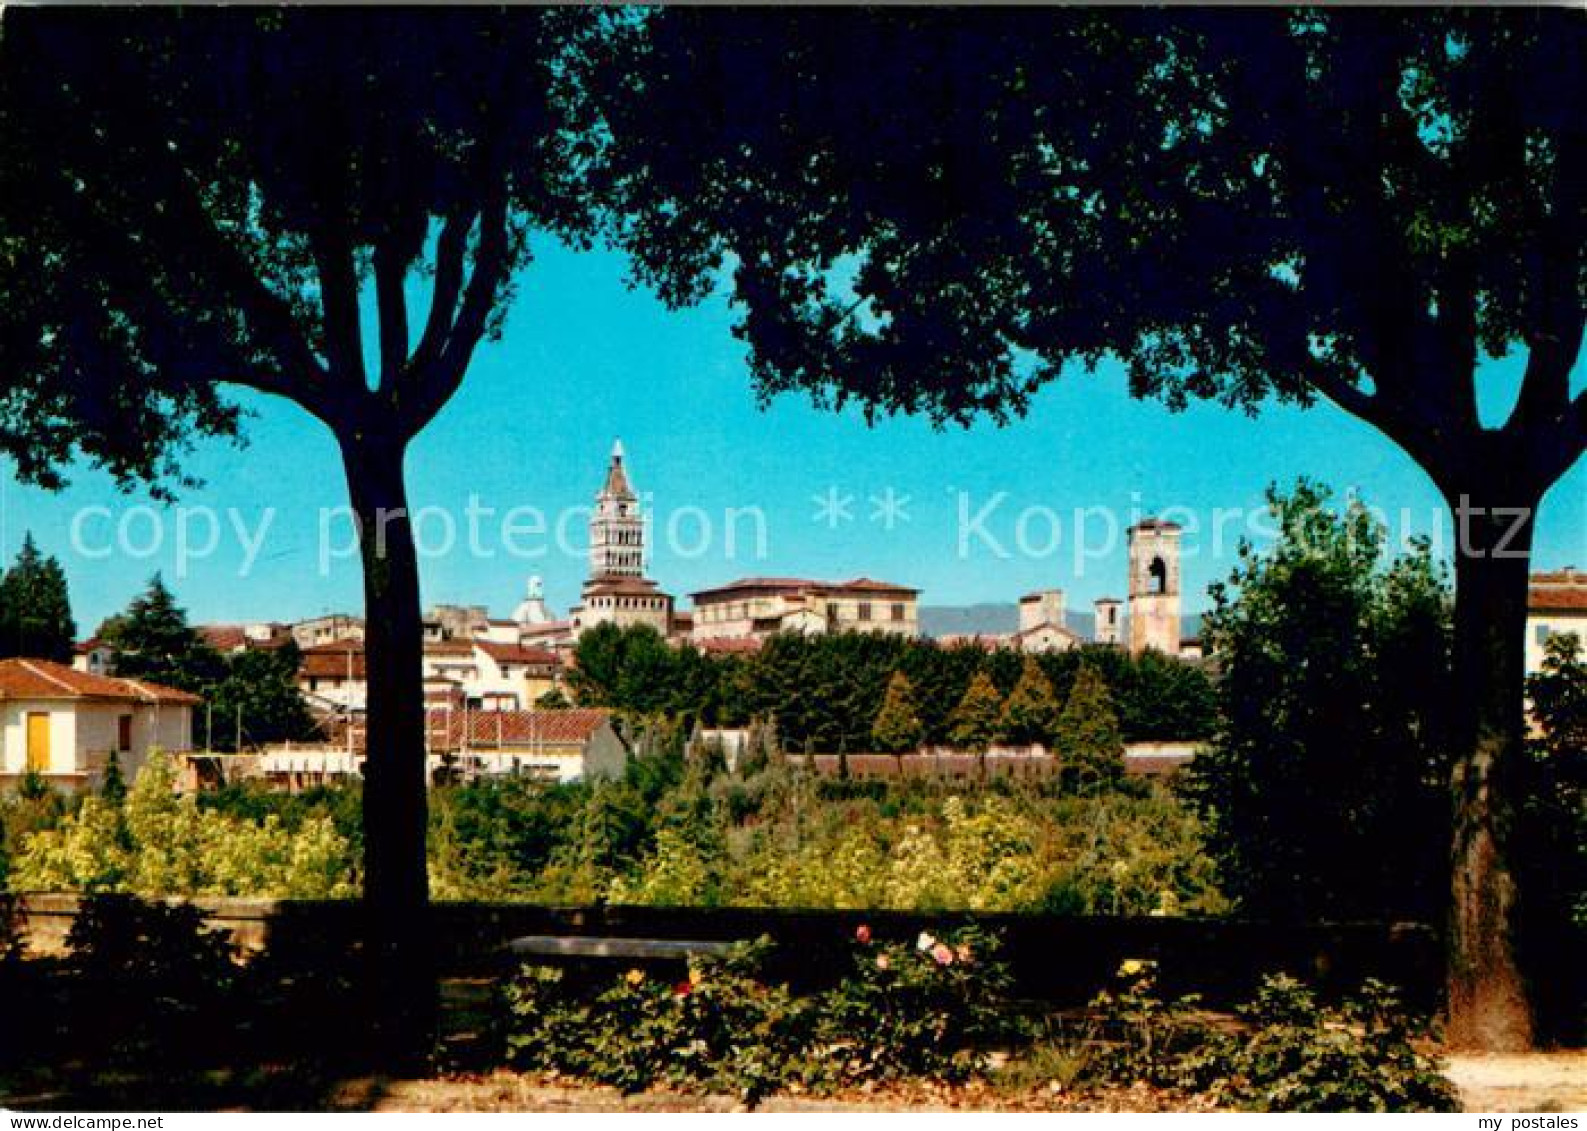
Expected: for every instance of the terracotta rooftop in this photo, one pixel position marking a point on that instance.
(333, 661)
(23, 678)
(1557, 598)
(516, 653)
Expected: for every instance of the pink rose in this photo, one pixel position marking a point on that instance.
(863, 934)
(883, 962)
(943, 956)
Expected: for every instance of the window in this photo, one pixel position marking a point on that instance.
(124, 733)
(1159, 576)
(898, 612)
(1541, 634)
(865, 610)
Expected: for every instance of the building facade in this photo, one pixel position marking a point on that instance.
(1556, 604)
(64, 724)
(758, 607)
(1041, 623)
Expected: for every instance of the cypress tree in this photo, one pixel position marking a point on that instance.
(897, 727)
(1088, 736)
(974, 723)
(1031, 713)
(35, 608)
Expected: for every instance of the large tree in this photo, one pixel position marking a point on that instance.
(153, 640)
(35, 607)
(1323, 788)
(199, 198)
(938, 211)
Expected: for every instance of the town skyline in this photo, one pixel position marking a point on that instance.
(1084, 445)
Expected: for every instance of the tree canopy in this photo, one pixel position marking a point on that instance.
(35, 607)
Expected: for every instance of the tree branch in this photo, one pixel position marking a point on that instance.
(450, 249)
(393, 255)
(344, 339)
(433, 383)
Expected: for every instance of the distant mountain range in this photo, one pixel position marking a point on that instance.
(998, 620)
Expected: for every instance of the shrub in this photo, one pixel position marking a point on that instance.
(1291, 1055)
(930, 1009)
(720, 1028)
(156, 979)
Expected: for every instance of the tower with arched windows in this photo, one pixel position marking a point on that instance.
(617, 589)
(1154, 586)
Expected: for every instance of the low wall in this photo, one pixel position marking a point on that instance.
(1061, 959)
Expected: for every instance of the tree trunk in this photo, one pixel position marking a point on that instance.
(1489, 1005)
(396, 884)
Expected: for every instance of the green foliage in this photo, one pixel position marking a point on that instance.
(1088, 741)
(553, 700)
(974, 723)
(1290, 1055)
(1552, 831)
(35, 609)
(1325, 791)
(259, 696)
(720, 1028)
(156, 976)
(928, 1010)
(1031, 713)
(156, 844)
(114, 786)
(898, 728)
(824, 693)
(152, 640)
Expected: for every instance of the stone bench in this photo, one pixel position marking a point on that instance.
(632, 950)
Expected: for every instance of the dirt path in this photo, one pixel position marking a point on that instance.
(1542, 1082)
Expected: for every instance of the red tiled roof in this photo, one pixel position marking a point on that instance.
(870, 585)
(332, 661)
(24, 678)
(517, 653)
(449, 647)
(1557, 598)
(490, 728)
(602, 586)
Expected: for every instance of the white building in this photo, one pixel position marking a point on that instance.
(64, 724)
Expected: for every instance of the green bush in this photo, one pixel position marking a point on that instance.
(931, 1009)
(1290, 1055)
(157, 981)
(720, 1028)
(922, 1011)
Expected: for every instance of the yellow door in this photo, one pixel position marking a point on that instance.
(38, 741)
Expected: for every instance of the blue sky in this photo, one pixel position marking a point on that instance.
(585, 360)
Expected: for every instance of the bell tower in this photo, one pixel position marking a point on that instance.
(1154, 586)
(617, 529)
